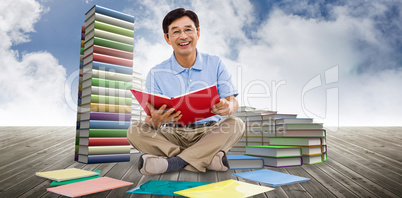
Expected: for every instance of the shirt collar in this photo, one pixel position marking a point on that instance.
(177, 68)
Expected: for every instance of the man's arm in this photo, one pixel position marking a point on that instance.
(226, 106)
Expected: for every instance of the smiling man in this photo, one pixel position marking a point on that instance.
(201, 145)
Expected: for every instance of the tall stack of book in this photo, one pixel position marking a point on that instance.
(106, 100)
(79, 92)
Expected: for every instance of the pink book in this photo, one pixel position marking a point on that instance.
(89, 187)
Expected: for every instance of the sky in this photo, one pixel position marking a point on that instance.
(338, 62)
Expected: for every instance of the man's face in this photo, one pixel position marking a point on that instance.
(183, 36)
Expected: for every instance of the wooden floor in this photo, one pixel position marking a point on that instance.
(362, 162)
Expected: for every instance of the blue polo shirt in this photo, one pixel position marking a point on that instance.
(169, 78)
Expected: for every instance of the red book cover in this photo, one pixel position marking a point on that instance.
(112, 141)
(110, 52)
(108, 59)
(82, 29)
(194, 106)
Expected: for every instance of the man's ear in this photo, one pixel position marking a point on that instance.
(198, 32)
(167, 39)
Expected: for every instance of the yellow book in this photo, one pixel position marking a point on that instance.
(228, 188)
(66, 174)
(105, 108)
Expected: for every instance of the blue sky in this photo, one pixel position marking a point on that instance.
(336, 61)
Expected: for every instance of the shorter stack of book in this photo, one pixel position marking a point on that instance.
(304, 133)
(282, 140)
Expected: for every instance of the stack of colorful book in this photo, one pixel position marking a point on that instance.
(138, 114)
(254, 127)
(79, 91)
(106, 101)
(304, 133)
(272, 136)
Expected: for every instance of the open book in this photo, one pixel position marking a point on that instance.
(194, 106)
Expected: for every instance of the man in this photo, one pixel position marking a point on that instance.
(199, 146)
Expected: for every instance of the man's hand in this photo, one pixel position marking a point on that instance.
(226, 106)
(222, 108)
(161, 115)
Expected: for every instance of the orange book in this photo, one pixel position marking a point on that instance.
(194, 106)
(89, 187)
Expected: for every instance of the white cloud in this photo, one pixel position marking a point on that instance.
(292, 49)
(33, 85)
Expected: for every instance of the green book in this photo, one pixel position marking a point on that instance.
(109, 28)
(108, 43)
(106, 83)
(103, 133)
(56, 183)
(105, 100)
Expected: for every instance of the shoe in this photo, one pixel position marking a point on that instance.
(152, 164)
(219, 162)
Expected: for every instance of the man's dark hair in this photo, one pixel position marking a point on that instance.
(176, 14)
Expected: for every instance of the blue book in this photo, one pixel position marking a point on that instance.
(107, 67)
(164, 187)
(93, 159)
(245, 162)
(272, 178)
(109, 12)
(101, 124)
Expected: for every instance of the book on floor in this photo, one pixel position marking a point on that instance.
(66, 174)
(194, 106)
(228, 188)
(56, 183)
(89, 187)
(245, 162)
(164, 187)
(272, 178)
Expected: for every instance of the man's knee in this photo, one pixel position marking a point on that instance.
(234, 125)
(138, 129)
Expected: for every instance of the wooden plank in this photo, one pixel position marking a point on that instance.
(132, 175)
(389, 167)
(14, 169)
(13, 154)
(364, 167)
(347, 176)
(382, 135)
(313, 187)
(292, 190)
(7, 133)
(25, 135)
(371, 145)
(40, 190)
(361, 163)
(208, 176)
(28, 180)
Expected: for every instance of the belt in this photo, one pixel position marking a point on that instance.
(190, 126)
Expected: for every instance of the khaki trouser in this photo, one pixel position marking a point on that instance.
(195, 146)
